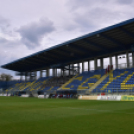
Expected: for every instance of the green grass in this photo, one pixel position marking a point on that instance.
(64, 116)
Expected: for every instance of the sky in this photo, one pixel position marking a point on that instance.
(28, 26)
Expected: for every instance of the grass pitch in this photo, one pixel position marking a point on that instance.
(64, 116)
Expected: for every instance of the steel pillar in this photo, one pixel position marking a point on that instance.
(127, 59)
(41, 73)
(53, 72)
(116, 61)
(132, 59)
(101, 60)
(111, 61)
(82, 66)
(89, 65)
(35, 75)
(95, 63)
(21, 77)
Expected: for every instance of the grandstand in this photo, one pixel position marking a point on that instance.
(67, 57)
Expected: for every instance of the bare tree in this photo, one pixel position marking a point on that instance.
(6, 77)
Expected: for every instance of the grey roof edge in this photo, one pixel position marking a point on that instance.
(75, 39)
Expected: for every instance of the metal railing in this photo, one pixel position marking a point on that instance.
(112, 90)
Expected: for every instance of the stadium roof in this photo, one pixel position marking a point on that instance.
(112, 40)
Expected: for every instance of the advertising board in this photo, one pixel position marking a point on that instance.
(127, 98)
(87, 97)
(109, 97)
(25, 95)
(41, 96)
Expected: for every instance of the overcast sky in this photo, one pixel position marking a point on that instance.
(28, 26)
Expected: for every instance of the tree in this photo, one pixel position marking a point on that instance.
(6, 77)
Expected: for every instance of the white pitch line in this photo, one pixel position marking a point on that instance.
(111, 111)
(88, 109)
(82, 109)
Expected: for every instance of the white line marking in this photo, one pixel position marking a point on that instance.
(110, 111)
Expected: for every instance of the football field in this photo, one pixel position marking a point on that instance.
(65, 116)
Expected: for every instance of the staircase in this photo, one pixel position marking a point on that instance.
(96, 84)
(111, 78)
(64, 85)
(127, 86)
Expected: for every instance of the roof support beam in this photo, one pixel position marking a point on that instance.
(19, 67)
(72, 53)
(127, 32)
(63, 52)
(81, 48)
(95, 44)
(29, 62)
(35, 59)
(85, 57)
(59, 53)
(45, 58)
(50, 54)
(76, 49)
(66, 50)
(113, 40)
(23, 64)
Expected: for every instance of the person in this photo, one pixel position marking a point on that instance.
(44, 94)
(106, 70)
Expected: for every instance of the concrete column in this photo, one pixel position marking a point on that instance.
(95, 63)
(111, 61)
(101, 60)
(82, 66)
(78, 64)
(89, 65)
(63, 73)
(41, 73)
(47, 74)
(53, 72)
(116, 61)
(21, 77)
(30, 76)
(69, 69)
(72, 69)
(127, 59)
(35, 75)
(56, 72)
(132, 59)
(25, 78)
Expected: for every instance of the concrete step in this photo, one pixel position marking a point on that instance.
(97, 83)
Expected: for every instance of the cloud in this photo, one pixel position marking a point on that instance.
(126, 2)
(11, 50)
(68, 19)
(15, 47)
(4, 25)
(86, 4)
(6, 29)
(4, 21)
(32, 34)
(95, 19)
(90, 15)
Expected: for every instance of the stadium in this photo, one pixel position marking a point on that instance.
(73, 80)
(63, 75)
